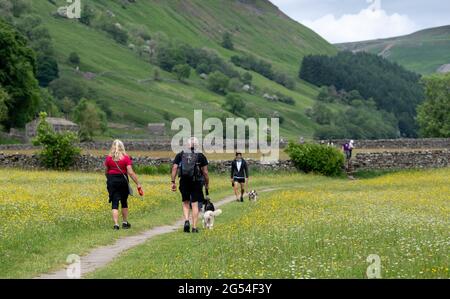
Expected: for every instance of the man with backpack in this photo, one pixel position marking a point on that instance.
(239, 175)
(192, 169)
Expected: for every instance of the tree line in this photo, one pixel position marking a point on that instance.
(356, 117)
(392, 88)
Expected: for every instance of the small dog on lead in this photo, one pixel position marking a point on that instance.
(209, 214)
(253, 196)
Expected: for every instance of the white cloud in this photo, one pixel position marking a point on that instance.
(370, 23)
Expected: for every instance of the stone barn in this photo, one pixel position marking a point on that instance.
(58, 124)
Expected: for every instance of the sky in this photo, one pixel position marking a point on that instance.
(357, 20)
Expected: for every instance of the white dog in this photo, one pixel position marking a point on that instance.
(208, 218)
(253, 196)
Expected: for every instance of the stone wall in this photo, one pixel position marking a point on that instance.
(361, 161)
(95, 163)
(421, 143)
(401, 160)
(163, 144)
(157, 143)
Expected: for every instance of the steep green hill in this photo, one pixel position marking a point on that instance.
(123, 79)
(423, 52)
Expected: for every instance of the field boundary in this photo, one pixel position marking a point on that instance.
(103, 255)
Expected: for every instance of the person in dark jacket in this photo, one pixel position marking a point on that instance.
(239, 176)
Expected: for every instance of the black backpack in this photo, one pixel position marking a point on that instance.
(189, 166)
(209, 206)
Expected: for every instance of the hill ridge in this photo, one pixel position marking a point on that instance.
(424, 51)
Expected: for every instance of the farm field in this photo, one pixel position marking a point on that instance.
(49, 215)
(316, 230)
(313, 227)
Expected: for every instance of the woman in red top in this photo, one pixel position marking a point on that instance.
(118, 166)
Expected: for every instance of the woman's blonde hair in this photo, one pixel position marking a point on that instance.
(117, 150)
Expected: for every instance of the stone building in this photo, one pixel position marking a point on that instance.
(58, 124)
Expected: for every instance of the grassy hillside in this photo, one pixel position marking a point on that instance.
(423, 52)
(122, 78)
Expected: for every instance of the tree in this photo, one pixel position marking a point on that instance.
(87, 15)
(169, 55)
(19, 7)
(68, 87)
(17, 77)
(67, 105)
(74, 59)
(48, 103)
(393, 88)
(324, 95)
(247, 78)
(90, 118)
(321, 114)
(234, 85)
(59, 150)
(182, 71)
(218, 82)
(4, 97)
(227, 41)
(434, 114)
(234, 104)
(47, 70)
(284, 80)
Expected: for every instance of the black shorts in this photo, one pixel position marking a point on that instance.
(239, 180)
(191, 191)
(118, 191)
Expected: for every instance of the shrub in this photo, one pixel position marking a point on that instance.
(285, 99)
(20, 7)
(119, 34)
(318, 158)
(227, 41)
(182, 71)
(59, 151)
(234, 104)
(74, 59)
(87, 15)
(247, 78)
(234, 85)
(169, 55)
(218, 82)
(284, 80)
